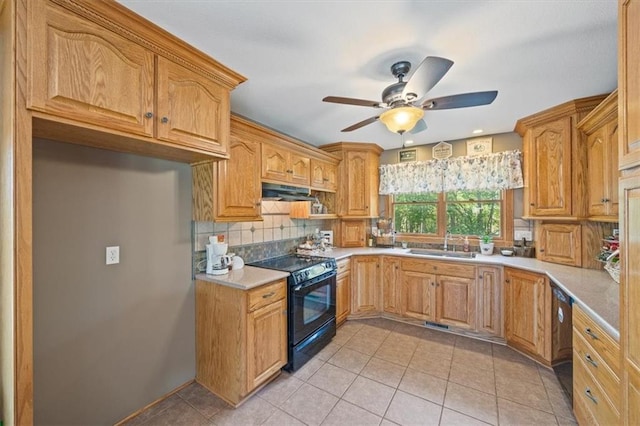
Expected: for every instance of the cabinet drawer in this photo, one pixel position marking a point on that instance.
(439, 268)
(266, 294)
(599, 369)
(589, 396)
(601, 342)
(343, 266)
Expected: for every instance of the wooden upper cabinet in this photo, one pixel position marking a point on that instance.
(281, 165)
(84, 72)
(555, 168)
(560, 243)
(192, 110)
(629, 82)
(104, 69)
(550, 167)
(358, 178)
(324, 176)
(601, 129)
(230, 190)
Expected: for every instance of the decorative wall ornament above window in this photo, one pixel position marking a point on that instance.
(496, 171)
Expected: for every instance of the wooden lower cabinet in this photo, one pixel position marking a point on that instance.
(528, 317)
(391, 284)
(418, 295)
(365, 288)
(343, 291)
(490, 299)
(241, 337)
(597, 392)
(456, 301)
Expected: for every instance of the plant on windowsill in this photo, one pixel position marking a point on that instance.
(486, 245)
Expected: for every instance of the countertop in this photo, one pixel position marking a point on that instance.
(593, 290)
(244, 278)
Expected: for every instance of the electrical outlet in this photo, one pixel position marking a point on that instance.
(113, 255)
(519, 235)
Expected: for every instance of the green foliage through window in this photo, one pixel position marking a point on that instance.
(467, 213)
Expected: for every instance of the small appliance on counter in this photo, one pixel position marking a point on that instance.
(217, 259)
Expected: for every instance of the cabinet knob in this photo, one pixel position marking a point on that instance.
(149, 114)
(258, 204)
(507, 281)
(541, 250)
(480, 277)
(325, 179)
(605, 200)
(164, 119)
(532, 204)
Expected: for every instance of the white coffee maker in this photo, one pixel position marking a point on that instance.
(217, 259)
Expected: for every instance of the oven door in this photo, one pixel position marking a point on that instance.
(312, 304)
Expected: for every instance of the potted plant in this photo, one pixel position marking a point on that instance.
(486, 245)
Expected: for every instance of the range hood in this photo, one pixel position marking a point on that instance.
(278, 192)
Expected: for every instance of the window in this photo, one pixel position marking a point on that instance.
(471, 213)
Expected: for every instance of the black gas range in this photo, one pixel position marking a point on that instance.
(311, 304)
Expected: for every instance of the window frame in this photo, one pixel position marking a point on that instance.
(506, 223)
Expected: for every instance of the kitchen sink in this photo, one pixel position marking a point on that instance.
(442, 253)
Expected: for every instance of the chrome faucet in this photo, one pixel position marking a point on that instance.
(446, 237)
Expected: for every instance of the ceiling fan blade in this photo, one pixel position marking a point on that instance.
(462, 100)
(360, 124)
(427, 75)
(420, 126)
(353, 101)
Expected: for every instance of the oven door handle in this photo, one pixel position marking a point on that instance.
(315, 281)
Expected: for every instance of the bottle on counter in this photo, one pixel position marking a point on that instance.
(465, 245)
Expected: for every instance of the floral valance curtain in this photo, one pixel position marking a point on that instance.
(496, 171)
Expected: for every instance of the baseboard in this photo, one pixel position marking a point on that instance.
(162, 398)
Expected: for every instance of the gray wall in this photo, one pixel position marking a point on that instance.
(109, 339)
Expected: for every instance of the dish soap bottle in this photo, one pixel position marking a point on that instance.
(465, 245)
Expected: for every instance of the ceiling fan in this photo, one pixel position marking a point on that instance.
(402, 99)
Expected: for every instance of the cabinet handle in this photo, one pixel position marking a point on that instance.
(268, 295)
(325, 179)
(164, 119)
(587, 392)
(507, 281)
(541, 250)
(591, 333)
(149, 115)
(532, 204)
(605, 200)
(258, 204)
(590, 360)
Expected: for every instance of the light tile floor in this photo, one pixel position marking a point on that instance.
(382, 372)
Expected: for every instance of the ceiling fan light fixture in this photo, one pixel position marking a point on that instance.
(401, 119)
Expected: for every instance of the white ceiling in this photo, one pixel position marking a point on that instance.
(536, 53)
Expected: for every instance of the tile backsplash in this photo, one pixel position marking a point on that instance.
(277, 234)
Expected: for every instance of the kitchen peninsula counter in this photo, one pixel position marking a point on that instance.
(594, 290)
(244, 278)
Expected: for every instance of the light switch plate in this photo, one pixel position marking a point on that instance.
(519, 235)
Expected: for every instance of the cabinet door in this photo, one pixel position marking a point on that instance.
(275, 163)
(390, 284)
(490, 301)
(365, 293)
(192, 109)
(266, 342)
(612, 170)
(456, 301)
(630, 293)
(238, 188)
(597, 177)
(343, 297)
(560, 243)
(300, 170)
(418, 295)
(83, 72)
(527, 317)
(629, 82)
(550, 169)
(324, 175)
(352, 233)
(358, 197)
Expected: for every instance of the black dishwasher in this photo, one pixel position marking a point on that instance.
(561, 339)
